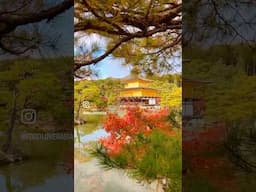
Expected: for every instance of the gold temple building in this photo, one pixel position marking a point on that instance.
(137, 91)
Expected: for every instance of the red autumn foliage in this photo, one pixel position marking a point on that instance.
(199, 146)
(205, 141)
(203, 157)
(136, 121)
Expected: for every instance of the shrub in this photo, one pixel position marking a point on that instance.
(144, 143)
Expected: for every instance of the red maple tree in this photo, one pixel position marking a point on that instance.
(136, 121)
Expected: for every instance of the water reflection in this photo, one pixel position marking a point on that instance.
(94, 136)
(45, 171)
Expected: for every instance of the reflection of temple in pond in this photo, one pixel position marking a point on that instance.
(138, 92)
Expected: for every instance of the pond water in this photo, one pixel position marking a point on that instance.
(44, 171)
(94, 136)
(91, 177)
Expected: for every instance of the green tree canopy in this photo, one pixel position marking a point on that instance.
(15, 15)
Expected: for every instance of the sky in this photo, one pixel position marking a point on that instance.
(113, 67)
(110, 66)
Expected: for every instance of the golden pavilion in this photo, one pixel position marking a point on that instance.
(137, 91)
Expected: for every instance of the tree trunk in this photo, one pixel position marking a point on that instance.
(78, 110)
(9, 133)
